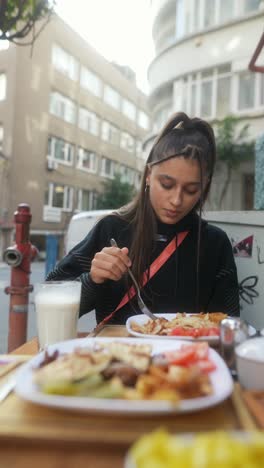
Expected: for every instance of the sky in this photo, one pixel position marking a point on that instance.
(120, 30)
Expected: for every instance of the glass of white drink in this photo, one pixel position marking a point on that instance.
(57, 308)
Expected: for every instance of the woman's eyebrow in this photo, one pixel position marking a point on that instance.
(172, 179)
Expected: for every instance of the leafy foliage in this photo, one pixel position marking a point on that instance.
(18, 18)
(233, 148)
(115, 194)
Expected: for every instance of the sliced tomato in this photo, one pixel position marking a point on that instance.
(201, 350)
(206, 365)
(195, 332)
(214, 331)
(183, 356)
(178, 331)
(190, 354)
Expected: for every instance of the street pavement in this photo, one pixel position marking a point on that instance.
(85, 323)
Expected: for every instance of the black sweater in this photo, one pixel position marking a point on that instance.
(174, 287)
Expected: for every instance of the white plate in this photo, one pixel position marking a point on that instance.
(221, 381)
(142, 319)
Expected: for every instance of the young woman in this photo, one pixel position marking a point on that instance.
(200, 274)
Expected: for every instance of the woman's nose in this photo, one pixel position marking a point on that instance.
(176, 199)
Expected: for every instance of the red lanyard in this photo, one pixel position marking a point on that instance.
(154, 267)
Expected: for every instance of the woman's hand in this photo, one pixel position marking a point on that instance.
(110, 263)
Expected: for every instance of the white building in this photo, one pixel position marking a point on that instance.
(203, 49)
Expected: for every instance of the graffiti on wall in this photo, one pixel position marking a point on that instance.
(247, 290)
(243, 248)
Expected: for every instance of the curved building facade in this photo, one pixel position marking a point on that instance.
(202, 52)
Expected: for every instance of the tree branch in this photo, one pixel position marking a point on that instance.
(23, 13)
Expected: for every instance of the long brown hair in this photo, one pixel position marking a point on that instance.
(181, 136)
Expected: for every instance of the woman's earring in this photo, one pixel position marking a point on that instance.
(146, 188)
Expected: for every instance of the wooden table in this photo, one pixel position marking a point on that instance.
(53, 438)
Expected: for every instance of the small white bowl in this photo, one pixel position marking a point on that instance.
(250, 363)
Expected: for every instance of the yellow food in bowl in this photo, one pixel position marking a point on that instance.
(203, 450)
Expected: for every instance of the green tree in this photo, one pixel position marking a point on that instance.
(115, 193)
(19, 17)
(233, 148)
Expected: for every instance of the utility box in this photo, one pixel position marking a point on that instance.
(245, 230)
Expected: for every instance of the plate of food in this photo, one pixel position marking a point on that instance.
(126, 376)
(218, 448)
(179, 325)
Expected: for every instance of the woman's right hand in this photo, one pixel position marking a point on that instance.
(110, 263)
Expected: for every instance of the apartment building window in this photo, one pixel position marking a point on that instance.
(196, 15)
(2, 86)
(62, 107)
(59, 196)
(87, 200)
(91, 81)
(110, 133)
(112, 97)
(206, 93)
(127, 142)
(180, 19)
(143, 120)
(60, 150)
(246, 91)
(193, 98)
(252, 5)
(108, 168)
(214, 12)
(65, 62)
(223, 96)
(201, 89)
(88, 121)
(129, 109)
(209, 13)
(86, 160)
(206, 98)
(226, 10)
(1, 137)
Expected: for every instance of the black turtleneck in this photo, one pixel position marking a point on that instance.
(175, 287)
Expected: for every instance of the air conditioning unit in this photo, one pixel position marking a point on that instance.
(52, 165)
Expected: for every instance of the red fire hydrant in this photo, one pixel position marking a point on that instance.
(19, 257)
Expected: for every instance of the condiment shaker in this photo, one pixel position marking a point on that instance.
(233, 331)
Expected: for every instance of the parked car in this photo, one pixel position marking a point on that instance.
(79, 226)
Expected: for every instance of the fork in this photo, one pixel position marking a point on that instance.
(141, 304)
